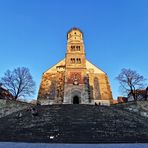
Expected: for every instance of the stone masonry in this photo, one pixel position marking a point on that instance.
(74, 80)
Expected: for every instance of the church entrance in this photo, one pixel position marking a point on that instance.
(76, 100)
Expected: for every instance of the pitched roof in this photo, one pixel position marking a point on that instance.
(5, 94)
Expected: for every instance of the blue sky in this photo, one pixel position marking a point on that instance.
(33, 34)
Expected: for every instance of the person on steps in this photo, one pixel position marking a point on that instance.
(34, 112)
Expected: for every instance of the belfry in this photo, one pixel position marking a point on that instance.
(74, 80)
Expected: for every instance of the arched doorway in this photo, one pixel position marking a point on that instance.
(76, 100)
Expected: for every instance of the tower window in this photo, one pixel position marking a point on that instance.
(78, 61)
(75, 48)
(72, 48)
(78, 48)
(75, 61)
(72, 60)
(75, 33)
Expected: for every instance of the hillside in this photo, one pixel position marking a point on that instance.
(10, 106)
(75, 124)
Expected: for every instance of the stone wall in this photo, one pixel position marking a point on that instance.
(138, 107)
(99, 87)
(8, 106)
(2, 103)
(104, 87)
(52, 88)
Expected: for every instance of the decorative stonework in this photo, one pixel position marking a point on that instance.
(74, 79)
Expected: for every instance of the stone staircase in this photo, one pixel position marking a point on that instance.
(75, 124)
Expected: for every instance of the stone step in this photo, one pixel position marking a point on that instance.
(75, 124)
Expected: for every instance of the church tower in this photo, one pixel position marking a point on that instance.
(75, 89)
(75, 55)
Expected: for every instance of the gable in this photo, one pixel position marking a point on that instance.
(90, 66)
(60, 64)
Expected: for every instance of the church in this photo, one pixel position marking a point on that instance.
(74, 80)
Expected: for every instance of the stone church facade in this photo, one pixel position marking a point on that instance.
(74, 80)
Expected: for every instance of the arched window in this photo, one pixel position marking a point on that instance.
(79, 61)
(75, 60)
(72, 48)
(78, 48)
(71, 60)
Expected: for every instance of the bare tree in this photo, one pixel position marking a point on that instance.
(19, 82)
(130, 81)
